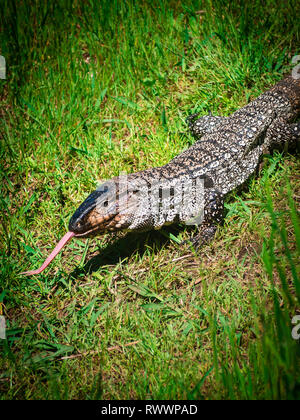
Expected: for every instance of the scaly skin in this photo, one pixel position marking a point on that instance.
(227, 153)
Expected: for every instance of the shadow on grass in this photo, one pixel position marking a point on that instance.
(121, 248)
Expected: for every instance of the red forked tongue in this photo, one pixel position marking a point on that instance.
(53, 254)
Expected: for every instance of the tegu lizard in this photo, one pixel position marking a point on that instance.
(192, 187)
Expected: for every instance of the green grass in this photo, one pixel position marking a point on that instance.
(94, 90)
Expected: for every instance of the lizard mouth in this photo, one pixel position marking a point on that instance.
(89, 233)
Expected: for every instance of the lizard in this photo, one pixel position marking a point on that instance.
(192, 187)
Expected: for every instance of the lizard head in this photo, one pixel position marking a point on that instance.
(109, 208)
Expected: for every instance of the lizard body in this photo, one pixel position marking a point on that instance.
(191, 188)
(227, 152)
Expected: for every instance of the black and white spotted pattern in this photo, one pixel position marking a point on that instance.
(227, 152)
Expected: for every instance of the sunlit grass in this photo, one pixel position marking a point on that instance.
(94, 90)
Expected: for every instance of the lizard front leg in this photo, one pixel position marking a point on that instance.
(203, 125)
(282, 135)
(213, 216)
